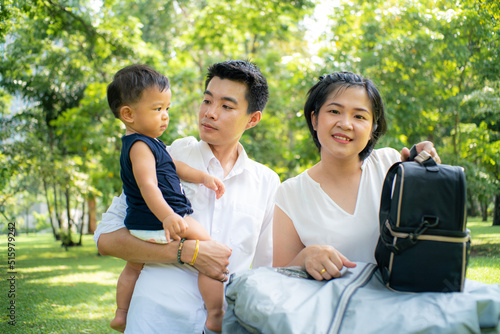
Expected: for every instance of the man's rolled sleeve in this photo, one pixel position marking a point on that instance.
(113, 219)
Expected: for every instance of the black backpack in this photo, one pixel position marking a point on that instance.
(423, 243)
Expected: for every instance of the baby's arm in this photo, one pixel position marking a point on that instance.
(144, 169)
(193, 175)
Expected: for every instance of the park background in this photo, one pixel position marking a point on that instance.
(436, 63)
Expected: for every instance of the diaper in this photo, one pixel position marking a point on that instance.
(154, 236)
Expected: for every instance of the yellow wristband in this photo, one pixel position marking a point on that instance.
(195, 255)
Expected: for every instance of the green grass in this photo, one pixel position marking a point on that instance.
(58, 291)
(73, 291)
(484, 263)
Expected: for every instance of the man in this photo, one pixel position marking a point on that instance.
(166, 296)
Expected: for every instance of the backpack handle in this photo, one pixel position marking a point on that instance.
(423, 158)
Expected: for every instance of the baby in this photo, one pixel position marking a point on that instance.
(158, 210)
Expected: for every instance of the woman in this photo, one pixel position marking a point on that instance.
(327, 217)
(338, 223)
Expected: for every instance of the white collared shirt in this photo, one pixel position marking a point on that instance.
(241, 219)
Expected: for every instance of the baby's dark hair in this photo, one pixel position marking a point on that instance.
(129, 83)
(247, 73)
(338, 81)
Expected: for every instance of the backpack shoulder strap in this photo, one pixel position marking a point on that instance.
(385, 200)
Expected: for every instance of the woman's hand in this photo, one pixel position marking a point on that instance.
(422, 146)
(324, 262)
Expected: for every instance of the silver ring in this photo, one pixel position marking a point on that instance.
(224, 279)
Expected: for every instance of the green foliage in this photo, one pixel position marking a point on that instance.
(436, 63)
(479, 146)
(60, 55)
(56, 52)
(283, 130)
(41, 221)
(8, 12)
(424, 55)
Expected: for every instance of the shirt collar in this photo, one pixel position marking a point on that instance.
(239, 166)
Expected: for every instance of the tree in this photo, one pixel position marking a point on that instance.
(53, 52)
(432, 60)
(426, 57)
(481, 145)
(60, 55)
(266, 32)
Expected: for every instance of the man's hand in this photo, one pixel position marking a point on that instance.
(212, 260)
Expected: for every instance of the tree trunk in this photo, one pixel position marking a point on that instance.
(484, 210)
(56, 207)
(68, 213)
(92, 215)
(49, 208)
(471, 207)
(26, 213)
(8, 219)
(496, 211)
(82, 221)
(67, 241)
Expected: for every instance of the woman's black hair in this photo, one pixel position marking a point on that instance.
(327, 84)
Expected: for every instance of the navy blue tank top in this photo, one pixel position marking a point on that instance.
(139, 217)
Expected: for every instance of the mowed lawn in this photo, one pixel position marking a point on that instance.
(484, 264)
(58, 291)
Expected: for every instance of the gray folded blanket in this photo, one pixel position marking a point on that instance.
(281, 300)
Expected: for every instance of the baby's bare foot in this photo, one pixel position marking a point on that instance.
(214, 320)
(120, 320)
